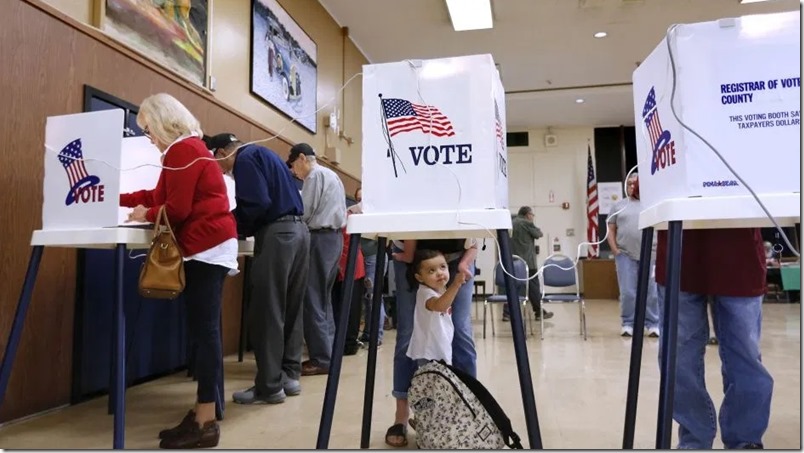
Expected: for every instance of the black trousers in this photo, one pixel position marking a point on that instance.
(534, 293)
(353, 327)
(203, 292)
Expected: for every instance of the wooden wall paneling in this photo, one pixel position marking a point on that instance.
(41, 377)
(50, 57)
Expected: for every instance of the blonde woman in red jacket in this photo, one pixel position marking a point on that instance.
(197, 206)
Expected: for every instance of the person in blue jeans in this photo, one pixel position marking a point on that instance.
(625, 240)
(728, 265)
(460, 255)
(369, 247)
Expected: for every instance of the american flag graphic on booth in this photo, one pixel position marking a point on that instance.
(498, 130)
(651, 117)
(405, 116)
(592, 206)
(72, 159)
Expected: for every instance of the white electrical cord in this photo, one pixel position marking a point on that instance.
(277, 135)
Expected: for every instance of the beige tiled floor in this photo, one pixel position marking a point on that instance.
(580, 393)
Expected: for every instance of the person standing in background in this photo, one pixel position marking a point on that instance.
(325, 214)
(625, 240)
(369, 247)
(523, 245)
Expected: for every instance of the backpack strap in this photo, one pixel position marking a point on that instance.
(502, 421)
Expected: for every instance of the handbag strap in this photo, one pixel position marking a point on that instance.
(160, 218)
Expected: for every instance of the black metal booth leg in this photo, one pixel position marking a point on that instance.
(331, 392)
(638, 338)
(520, 349)
(374, 335)
(669, 337)
(19, 319)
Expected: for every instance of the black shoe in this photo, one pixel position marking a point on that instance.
(546, 314)
(186, 425)
(194, 437)
(752, 446)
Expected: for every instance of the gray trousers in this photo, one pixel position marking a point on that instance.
(326, 247)
(278, 277)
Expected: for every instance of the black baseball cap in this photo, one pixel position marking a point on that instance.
(298, 150)
(219, 141)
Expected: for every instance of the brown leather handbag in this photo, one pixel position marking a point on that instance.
(162, 273)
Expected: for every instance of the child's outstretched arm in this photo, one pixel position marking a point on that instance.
(442, 303)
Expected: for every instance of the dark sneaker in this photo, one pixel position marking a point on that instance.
(545, 314)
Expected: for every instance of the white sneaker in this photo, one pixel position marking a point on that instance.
(627, 331)
(653, 332)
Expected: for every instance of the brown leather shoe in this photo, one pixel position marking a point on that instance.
(194, 437)
(313, 370)
(187, 423)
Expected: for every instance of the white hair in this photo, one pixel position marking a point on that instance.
(166, 118)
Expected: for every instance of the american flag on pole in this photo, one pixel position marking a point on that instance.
(592, 206)
(405, 116)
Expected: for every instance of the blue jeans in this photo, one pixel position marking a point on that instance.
(747, 385)
(627, 278)
(371, 266)
(464, 356)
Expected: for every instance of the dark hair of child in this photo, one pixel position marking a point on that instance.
(413, 269)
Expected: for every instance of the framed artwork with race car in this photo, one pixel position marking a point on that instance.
(284, 70)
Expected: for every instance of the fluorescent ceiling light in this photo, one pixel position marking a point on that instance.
(470, 14)
(601, 34)
(579, 101)
(743, 2)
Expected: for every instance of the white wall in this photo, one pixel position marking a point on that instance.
(535, 170)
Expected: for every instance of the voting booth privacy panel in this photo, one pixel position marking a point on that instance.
(738, 86)
(88, 164)
(434, 137)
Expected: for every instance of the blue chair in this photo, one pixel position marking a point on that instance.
(520, 272)
(559, 272)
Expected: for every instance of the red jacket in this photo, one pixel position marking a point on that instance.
(195, 198)
(360, 266)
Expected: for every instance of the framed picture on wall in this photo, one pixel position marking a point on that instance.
(172, 33)
(284, 68)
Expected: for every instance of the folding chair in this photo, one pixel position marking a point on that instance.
(559, 272)
(520, 272)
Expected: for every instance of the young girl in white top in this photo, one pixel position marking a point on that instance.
(432, 319)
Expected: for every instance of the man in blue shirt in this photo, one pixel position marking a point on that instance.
(269, 207)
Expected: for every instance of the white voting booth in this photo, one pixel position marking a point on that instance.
(737, 84)
(434, 155)
(434, 167)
